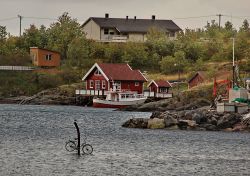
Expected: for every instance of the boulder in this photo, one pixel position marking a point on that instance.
(182, 124)
(199, 118)
(228, 120)
(136, 123)
(170, 121)
(208, 127)
(156, 123)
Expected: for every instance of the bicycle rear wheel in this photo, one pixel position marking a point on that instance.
(70, 146)
(87, 149)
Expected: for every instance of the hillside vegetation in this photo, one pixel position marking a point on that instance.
(208, 49)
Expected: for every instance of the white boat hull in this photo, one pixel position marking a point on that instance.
(116, 104)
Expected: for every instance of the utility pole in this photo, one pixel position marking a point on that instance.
(20, 24)
(219, 15)
(233, 66)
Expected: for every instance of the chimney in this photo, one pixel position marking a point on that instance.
(106, 15)
(135, 17)
(126, 17)
(153, 17)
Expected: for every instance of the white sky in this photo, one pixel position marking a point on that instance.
(163, 9)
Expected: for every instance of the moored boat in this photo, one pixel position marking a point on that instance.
(119, 99)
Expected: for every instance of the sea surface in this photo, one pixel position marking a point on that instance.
(32, 140)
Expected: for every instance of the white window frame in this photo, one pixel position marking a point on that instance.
(91, 84)
(103, 84)
(137, 83)
(97, 85)
(118, 85)
(97, 72)
(48, 57)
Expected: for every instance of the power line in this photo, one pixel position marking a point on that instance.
(8, 19)
(194, 17)
(41, 18)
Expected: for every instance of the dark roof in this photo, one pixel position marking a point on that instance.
(134, 25)
(121, 72)
(202, 74)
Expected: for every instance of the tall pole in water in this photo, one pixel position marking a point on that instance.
(78, 138)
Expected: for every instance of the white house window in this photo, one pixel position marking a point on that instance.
(118, 85)
(103, 84)
(97, 85)
(48, 57)
(97, 72)
(137, 84)
(91, 84)
(106, 31)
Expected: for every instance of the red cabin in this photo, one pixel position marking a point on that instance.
(102, 76)
(159, 86)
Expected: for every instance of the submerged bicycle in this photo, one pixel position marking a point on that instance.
(71, 145)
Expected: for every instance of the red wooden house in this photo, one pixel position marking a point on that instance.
(159, 86)
(102, 76)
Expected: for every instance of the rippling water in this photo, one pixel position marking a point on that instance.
(32, 140)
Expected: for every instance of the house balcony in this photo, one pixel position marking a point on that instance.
(114, 38)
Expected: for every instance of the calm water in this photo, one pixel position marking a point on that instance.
(33, 138)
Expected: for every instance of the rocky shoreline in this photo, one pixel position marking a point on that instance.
(201, 119)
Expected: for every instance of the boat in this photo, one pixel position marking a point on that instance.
(119, 99)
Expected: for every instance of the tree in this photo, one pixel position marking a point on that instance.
(78, 53)
(3, 33)
(245, 26)
(170, 64)
(62, 33)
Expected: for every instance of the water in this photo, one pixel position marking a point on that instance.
(32, 140)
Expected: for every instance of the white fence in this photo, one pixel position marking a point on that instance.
(17, 68)
(145, 93)
(91, 92)
(157, 95)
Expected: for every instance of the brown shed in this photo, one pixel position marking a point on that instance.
(199, 78)
(44, 57)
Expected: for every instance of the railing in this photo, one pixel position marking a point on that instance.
(91, 92)
(17, 68)
(158, 95)
(145, 93)
(114, 38)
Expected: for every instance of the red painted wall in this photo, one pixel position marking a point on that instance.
(195, 81)
(125, 85)
(130, 85)
(153, 88)
(95, 77)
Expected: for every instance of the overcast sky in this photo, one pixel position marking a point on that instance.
(233, 10)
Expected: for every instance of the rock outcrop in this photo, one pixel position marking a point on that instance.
(199, 119)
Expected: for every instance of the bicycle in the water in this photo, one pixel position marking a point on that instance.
(71, 145)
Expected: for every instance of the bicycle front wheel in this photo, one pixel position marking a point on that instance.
(70, 146)
(87, 149)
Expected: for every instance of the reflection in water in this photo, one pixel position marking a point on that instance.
(33, 138)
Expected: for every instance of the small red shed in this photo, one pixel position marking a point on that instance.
(159, 86)
(102, 76)
(199, 78)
